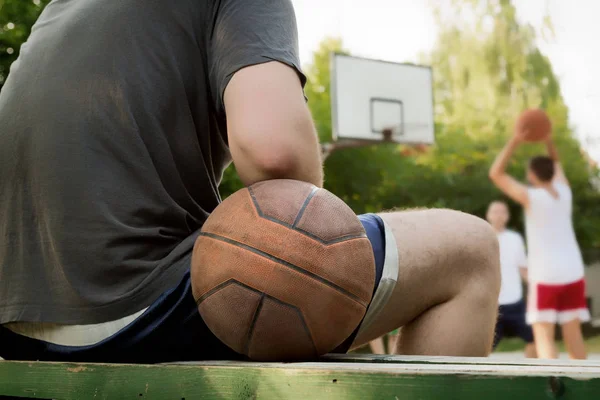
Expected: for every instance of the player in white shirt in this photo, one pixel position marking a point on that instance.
(556, 269)
(513, 266)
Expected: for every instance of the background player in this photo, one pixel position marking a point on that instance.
(556, 269)
(513, 267)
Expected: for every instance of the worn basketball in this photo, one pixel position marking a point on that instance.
(534, 124)
(282, 270)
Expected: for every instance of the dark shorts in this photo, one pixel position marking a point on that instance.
(511, 323)
(171, 329)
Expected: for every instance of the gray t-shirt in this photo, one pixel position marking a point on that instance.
(113, 143)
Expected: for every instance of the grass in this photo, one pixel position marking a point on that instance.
(592, 345)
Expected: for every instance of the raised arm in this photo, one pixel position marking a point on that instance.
(559, 174)
(509, 185)
(257, 85)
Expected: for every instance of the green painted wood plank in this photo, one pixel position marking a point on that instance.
(374, 358)
(313, 381)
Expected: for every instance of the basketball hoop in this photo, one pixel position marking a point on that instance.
(395, 105)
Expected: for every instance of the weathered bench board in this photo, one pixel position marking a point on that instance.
(336, 377)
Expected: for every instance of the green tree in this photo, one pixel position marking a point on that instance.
(16, 19)
(486, 72)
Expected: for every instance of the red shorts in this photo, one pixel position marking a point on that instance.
(556, 303)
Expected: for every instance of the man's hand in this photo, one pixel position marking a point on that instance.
(270, 130)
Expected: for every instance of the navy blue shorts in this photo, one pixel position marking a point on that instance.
(171, 329)
(511, 323)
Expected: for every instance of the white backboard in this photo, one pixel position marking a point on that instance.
(368, 96)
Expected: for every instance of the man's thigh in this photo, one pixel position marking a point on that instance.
(433, 246)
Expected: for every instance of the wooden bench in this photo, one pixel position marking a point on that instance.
(333, 377)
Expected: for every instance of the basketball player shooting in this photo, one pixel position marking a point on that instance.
(513, 267)
(556, 269)
(117, 124)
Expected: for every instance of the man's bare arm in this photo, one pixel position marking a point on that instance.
(509, 185)
(270, 130)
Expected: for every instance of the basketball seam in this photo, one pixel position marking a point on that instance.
(302, 231)
(303, 208)
(220, 286)
(253, 323)
(256, 312)
(284, 263)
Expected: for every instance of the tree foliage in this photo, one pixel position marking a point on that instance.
(16, 19)
(487, 68)
(485, 73)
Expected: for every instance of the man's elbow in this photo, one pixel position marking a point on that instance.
(281, 162)
(494, 175)
(278, 164)
(279, 149)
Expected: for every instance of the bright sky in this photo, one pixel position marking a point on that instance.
(398, 30)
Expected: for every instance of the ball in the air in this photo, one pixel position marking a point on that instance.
(534, 125)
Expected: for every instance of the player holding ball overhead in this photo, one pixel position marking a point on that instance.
(556, 269)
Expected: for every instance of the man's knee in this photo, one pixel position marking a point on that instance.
(473, 250)
(479, 253)
(462, 246)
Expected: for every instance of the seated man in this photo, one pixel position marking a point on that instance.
(117, 123)
(513, 267)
